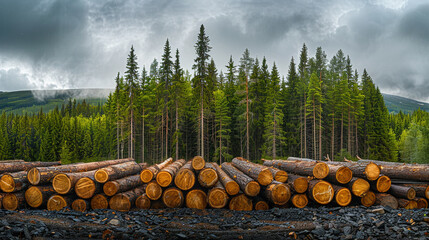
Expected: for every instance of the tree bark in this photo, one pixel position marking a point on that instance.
(117, 171)
(402, 192)
(173, 197)
(231, 187)
(121, 185)
(259, 173)
(246, 183)
(196, 198)
(385, 199)
(10, 167)
(208, 176)
(124, 201)
(421, 202)
(407, 203)
(278, 175)
(149, 173)
(185, 177)
(319, 170)
(422, 190)
(166, 175)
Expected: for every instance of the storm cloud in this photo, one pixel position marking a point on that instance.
(83, 44)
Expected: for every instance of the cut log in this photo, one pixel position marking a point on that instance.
(173, 197)
(198, 163)
(231, 187)
(14, 182)
(278, 175)
(158, 204)
(385, 199)
(319, 170)
(196, 198)
(421, 202)
(368, 199)
(298, 183)
(14, 201)
(320, 191)
(153, 191)
(300, 200)
(2, 195)
(10, 167)
(391, 163)
(149, 173)
(208, 176)
(277, 193)
(185, 177)
(80, 205)
(117, 171)
(122, 185)
(343, 196)
(143, 202)
(100, 201)
(382, 184)
(41, 175)
(407, 203)
(125, 200)
(217, 196)
(241, 203)
(260, 204)
(166, 175)
(11, 161)
(422, 190)
(339, 174)
(64, 183)
(86, 187)
(246, 183)
(57, 202)
(408, 172)
(402, 192)
(358, 186)
(37, 196)
(259, 173)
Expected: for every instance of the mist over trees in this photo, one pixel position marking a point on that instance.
(322, 107)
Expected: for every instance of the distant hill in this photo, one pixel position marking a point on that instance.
(395, 104)
(20, 102)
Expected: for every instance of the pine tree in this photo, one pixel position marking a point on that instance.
(303, 82)
(223, 121)
(314, 108)
(166, 74)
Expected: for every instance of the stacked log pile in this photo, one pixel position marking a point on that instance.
(123, 184)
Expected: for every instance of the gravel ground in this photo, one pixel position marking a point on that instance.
(308, 223)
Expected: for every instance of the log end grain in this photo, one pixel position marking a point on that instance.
(232, 188)
(321, 170)
(143, 202)
(421, 202)
(198, 163)
(62, 183)
(281, 176)
(99, 201)
(7, 184)
(173, 198)
(110, 188)
(407, 204)
(360, 187)
(252, 188)
(322, 192)
(208, 177)
(368, 199)
(196, 198)
(383, 184)
(385, 199)
(427, 192)
(164, 179)
(217, 198)
(120, 203)
(184, 179)
(10, 202)
(56, 203)
(280, 194)
(153, 191)
(300, 185)
(261, 205)
(80, 205)
(241, 203)
(146, 175)
(265, 177)
(372, 171)
(343, 197)
(101, 176)
(299, 200)
(34, 197)
(33, 176)
(411, 194)
(344, 175)
(85, 188)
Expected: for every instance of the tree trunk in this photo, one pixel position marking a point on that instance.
(80, 205)
(320, 135)
(409, 172)
(153, 191)
(173, 197)
(117, 171)
(278, 175)
(421, 202)
(143, 202)
(299, 184)
(143, 136)
(12, 161)
(342, 130)
(274, 137)
(86, 187)
(41, 175)
(333, 134)
(121, 185)
(407, 204)
(247, 118)
(240, 203)
(278, 193)
(58, 202)
(368, 199)
(198, 163)
(299, 200)
(185, 177)
(358, 186)
(10, 167)
(217, 196)
(320, 191)
(385, 199)
(343, 196)
(99, 201)
(148, 174)
(124, 201)
(231, 187)
(13, 182)
(166, 175)
(382, 184)
(314, 130)
(402, 192)
(422, 190)
(64, 183)
(177, 130)
(260, 173)
(319, 170)
(37, 196)
(348, 134)
(196, 198)
(305, 127)
(246, 183)
(339, 174)
(208, 176)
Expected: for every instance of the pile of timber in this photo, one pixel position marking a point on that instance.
(124, 184)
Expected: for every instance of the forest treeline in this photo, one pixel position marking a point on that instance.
(321, 108)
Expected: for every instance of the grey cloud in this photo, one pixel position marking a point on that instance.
(14, 79)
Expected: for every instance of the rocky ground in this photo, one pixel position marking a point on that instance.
(307, 223)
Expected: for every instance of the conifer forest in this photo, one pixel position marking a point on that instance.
(322, 107)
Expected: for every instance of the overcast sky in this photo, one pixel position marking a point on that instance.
(80, 43)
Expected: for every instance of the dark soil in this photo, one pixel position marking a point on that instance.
(307, 223)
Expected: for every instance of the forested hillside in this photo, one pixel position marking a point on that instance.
(322, 107)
